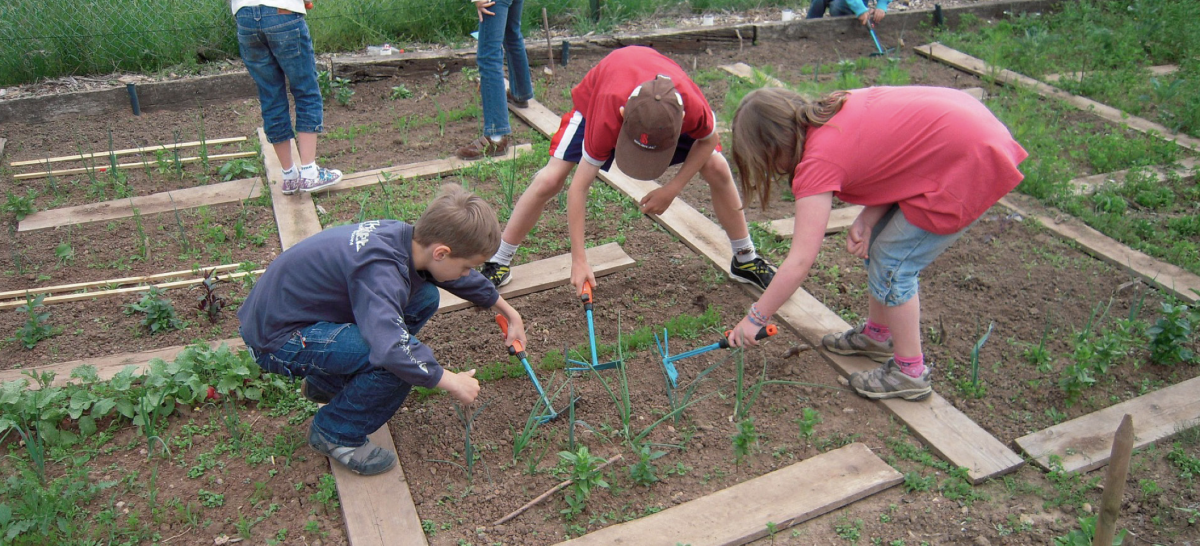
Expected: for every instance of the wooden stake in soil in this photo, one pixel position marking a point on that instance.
(127, 151)
(556, 488)
(1114, 483)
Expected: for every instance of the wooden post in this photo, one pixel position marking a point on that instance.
(1114, 483)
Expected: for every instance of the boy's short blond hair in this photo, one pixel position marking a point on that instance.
(460, 220)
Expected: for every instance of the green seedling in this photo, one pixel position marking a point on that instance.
(159, 312)
(1170, 334)
(35, 328)
(209, 302)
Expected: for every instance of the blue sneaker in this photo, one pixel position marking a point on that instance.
(325, 178)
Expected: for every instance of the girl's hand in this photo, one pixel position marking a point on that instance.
(481, 6)
(581, 272)
(858, 238)
(743, 334)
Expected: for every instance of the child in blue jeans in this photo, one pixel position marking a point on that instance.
(278, 52)
(841, 8)
(341, 310)
(500, 41)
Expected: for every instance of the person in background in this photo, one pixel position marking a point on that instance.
(925, 162)
(277, 50)
(842, 8)
(500, 42)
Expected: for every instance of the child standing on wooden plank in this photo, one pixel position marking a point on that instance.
(926, 162)
(500, 42)
(640, 108)
(277, 49)
(341, 310)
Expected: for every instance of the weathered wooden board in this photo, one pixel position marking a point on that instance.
(419, 169)
(747, 72)
(549, 273)
(975, 66)
(295, 214)
(1087, 185)
(1176, 280)
(839, 221)
(948, 432)
(108, 366)
(1085, 443)
(1162, 70)
(740, 514)
(379, 509)
(170, 201)
(130, 290)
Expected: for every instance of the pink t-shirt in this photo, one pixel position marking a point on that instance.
(937, 152)
(606, 88)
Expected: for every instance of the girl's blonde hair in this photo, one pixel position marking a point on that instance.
(460, 220)
(769, 129)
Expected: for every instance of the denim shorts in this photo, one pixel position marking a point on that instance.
(898, 253)
(277, 49)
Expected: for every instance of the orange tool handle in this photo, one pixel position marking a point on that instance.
(516, 347)
(586, 298)
(763, 333)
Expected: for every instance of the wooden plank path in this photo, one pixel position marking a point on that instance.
(1085, 443)
(168, 201)
(786, 497)
(1087, 185)
(295, 214)
(420, 169)
(949, 432)
(1176, 280)
(1161, 70)
(970, 64)
(839, 221)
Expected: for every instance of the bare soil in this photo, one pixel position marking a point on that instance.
(1005, 272)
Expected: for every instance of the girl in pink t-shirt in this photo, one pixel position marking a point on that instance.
(925, 162)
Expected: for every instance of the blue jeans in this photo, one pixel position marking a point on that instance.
(898, 252)
(500, 41)
(334, 358)
(275, 46)
(837, 8)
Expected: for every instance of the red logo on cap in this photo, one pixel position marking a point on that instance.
(645, 140)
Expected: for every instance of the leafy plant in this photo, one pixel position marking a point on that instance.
(1170, 334)
(159, 312)
(400, 92)
(744, 440)
(582, 468)
(20, 206)
(238, 168)
(209, 301)
(644, 472)
(1085, 535)
(64, 253)
(1038, 355)
(35, 328)
(342, 92)
(808, 420)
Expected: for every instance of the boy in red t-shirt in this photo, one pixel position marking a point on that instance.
(926, 162)
(640, 108)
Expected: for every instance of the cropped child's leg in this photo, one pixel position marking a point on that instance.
(546, 184)
(295, 53)
(747, 266)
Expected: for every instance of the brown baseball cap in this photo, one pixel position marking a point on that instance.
(650, 132)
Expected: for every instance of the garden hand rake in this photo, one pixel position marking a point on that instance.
(517, 350)
(668, 360)
(879, 51)
(587, 300)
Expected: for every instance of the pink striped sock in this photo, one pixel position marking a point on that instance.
(877, 332)
(912, 366)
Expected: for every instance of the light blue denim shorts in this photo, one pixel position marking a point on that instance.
(898, 253)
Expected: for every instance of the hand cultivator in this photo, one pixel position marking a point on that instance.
(879, 50)
(668, 360)
(586, 298)
(517, 350)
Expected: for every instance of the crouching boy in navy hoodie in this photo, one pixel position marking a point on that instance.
(341, 310)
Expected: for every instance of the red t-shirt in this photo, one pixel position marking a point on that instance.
(606, 88)
(937, 152)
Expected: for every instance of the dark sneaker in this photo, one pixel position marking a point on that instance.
(757, 272)
(290, 185)
(314, 394)
(483, 147)
(367, 459)
(887, 381)
(325, 178)
(498, 274)
(855, 343)
(513, 100)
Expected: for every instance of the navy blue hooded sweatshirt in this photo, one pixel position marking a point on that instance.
(361, 274)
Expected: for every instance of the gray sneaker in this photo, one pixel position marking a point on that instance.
(367, 459)
(854, 342)
(887, 381)
(325, 178)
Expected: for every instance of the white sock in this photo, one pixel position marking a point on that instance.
(743, 250)
(309, 171)
(504, 256)
(496, 138)
(290, 172)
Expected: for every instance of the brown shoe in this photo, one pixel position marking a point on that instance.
(513, 100)
(483, 147)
